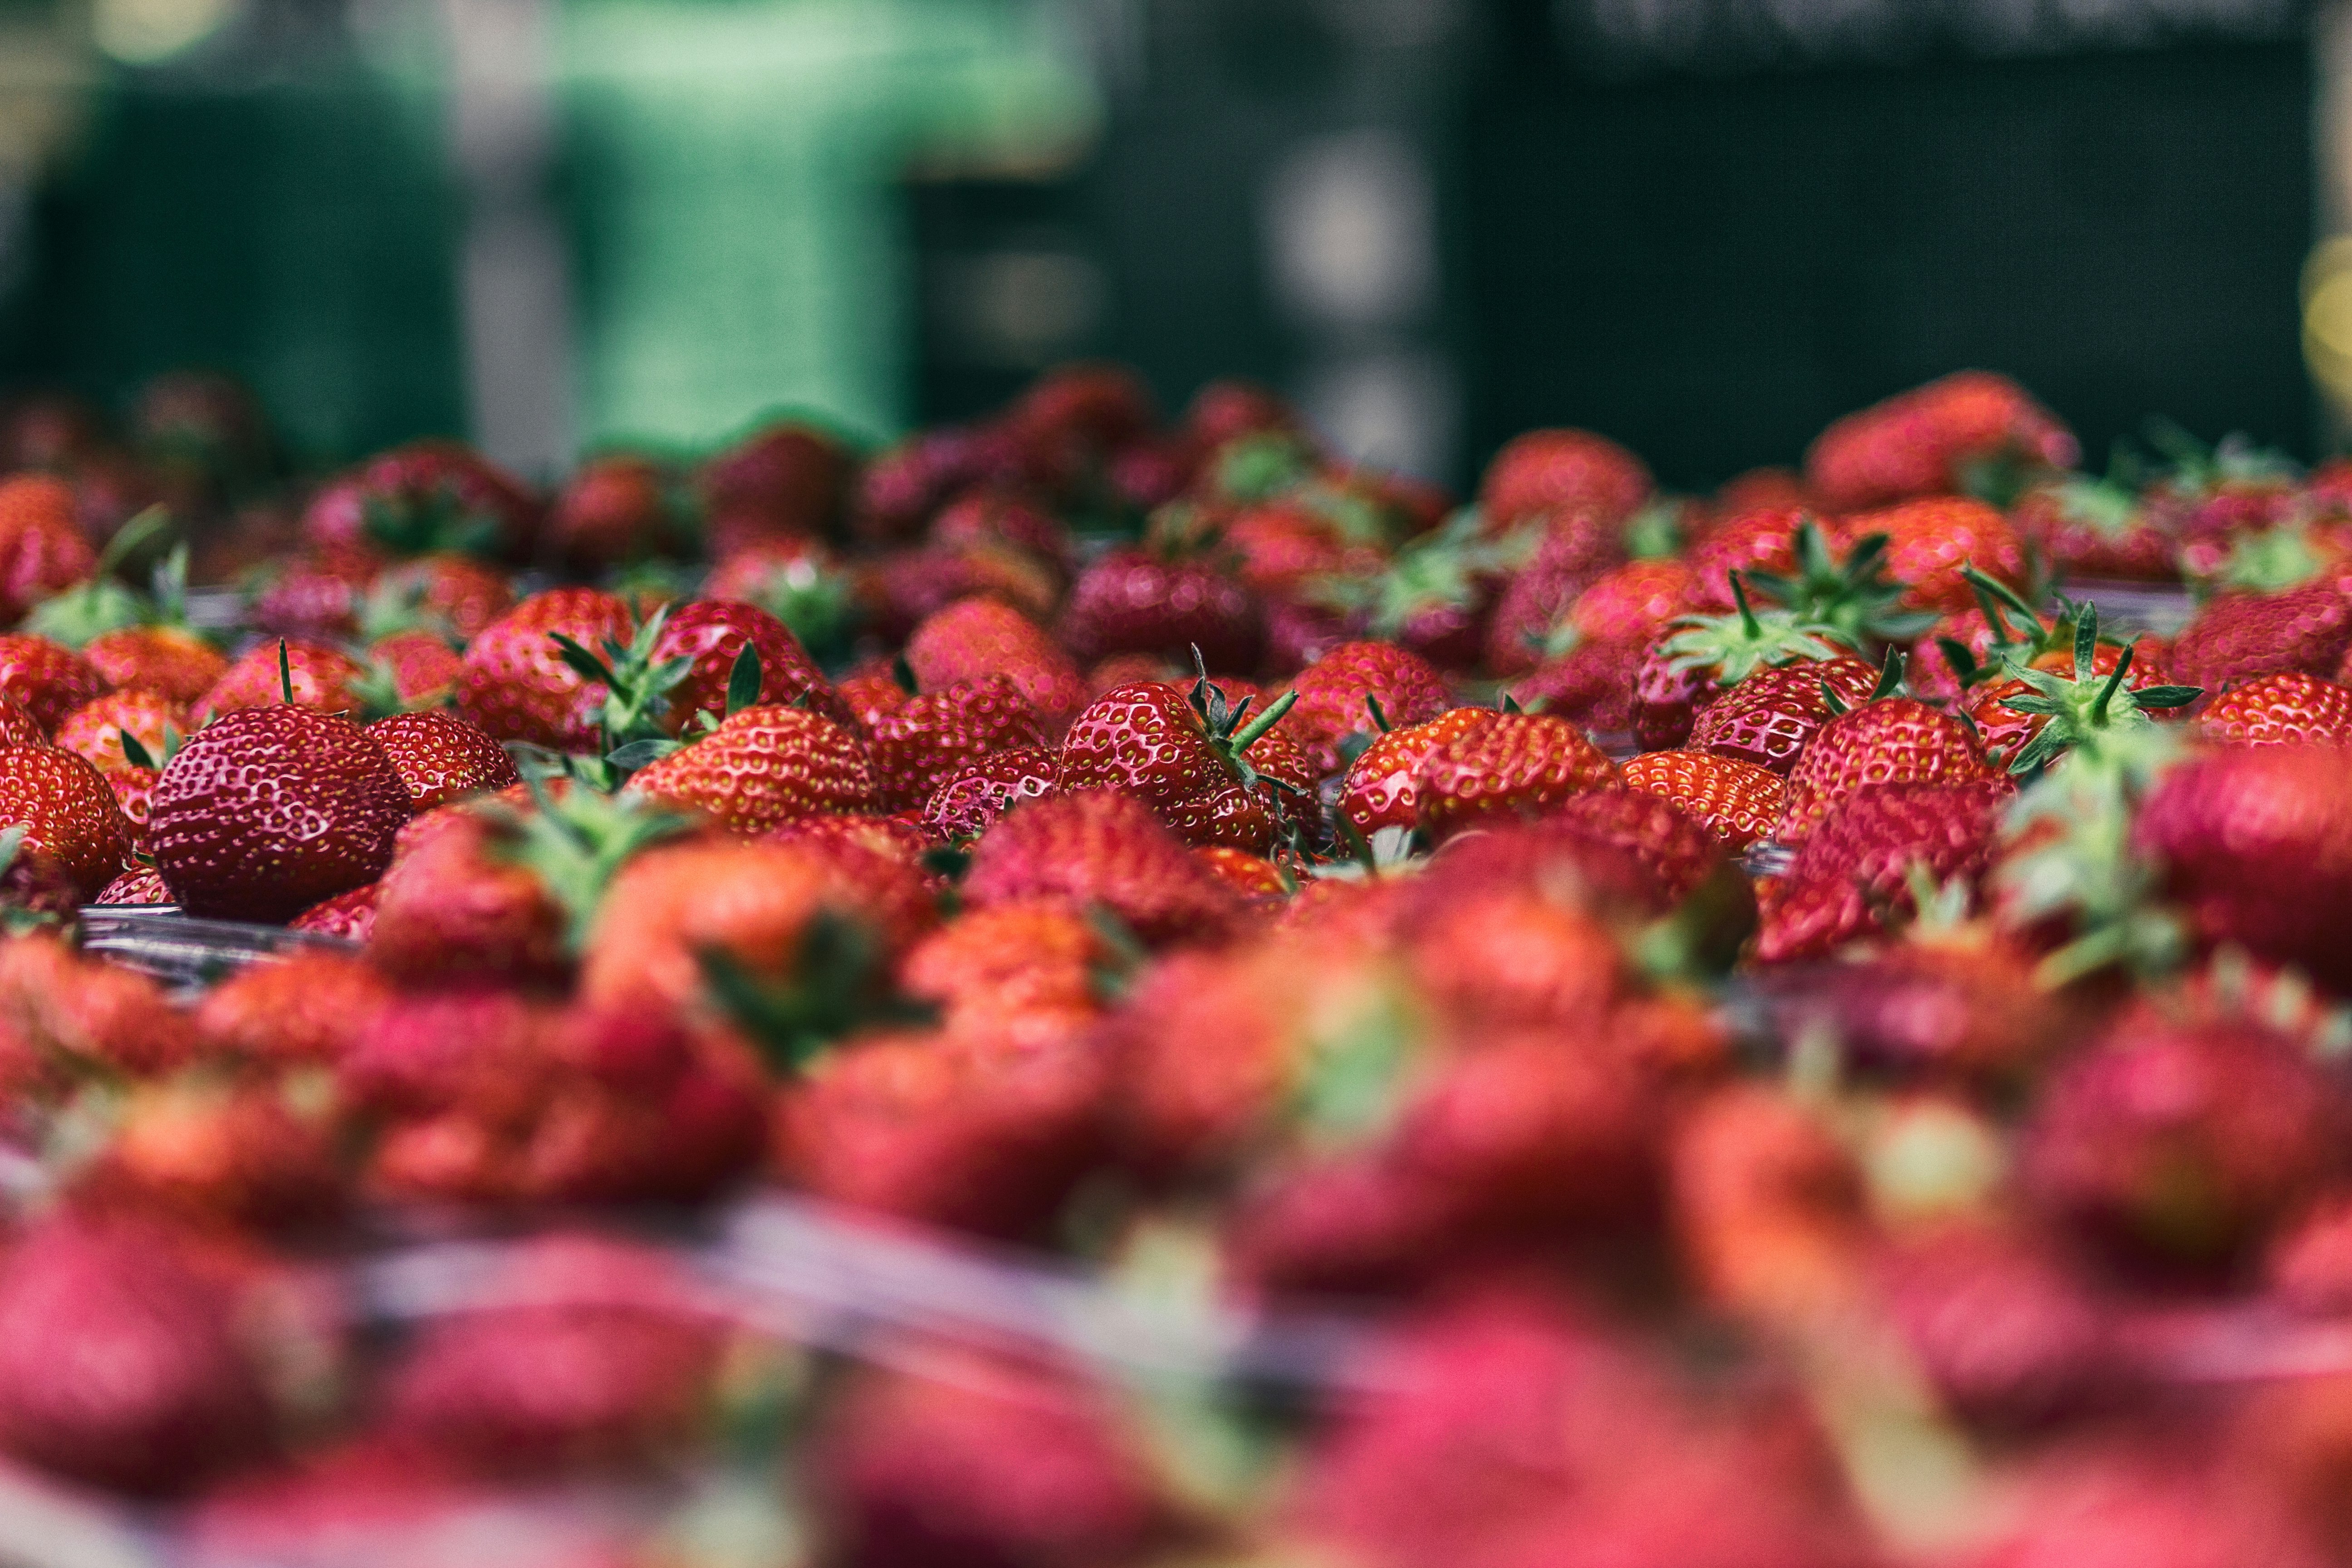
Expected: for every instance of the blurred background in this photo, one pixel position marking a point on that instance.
(1702, 226)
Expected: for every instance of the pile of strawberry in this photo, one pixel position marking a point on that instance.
(1796, 1039)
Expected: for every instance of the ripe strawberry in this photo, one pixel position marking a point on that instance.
(1130, 601)
(95, 730)
(426, 496)
(903, 485)
(516, 685)
(1102, 405)
(1194, 759)
(1762, 540)
(898, 591)
(451, 594)
(2256, 846)
(783, 479)
(170, 661)
(1928, 543)
(1383, 788)
(140, 885)
(1578, 550)
(2064, 699)
(307, 1010)
(714, 633)
(1517, 764)
(228, 1156)
(763, 766)
(997, 516)
(1632, 603)
(1561, 470)
(68, 814)
(1594, 686)
(1027, 971)
(1739, 802)
(1857, 865)
(2093, 528)
(50, 679)
(1689, 671)
(316, 595)
(2238, 636)
(2003, 1330)
(408, 672)
(920, 745)
(1107, 847)
(1958, 1004)
(2288, 709)
(1934, 440)
(183, 1401)
(442, 758)
(268, 810)
(464, 903)
(973, 797)
(2185, 1143)
(1893, 740)
(1333, 692)
(321, 678)
(89, 1013)
(42, 551)
(1229, 408)
(616, 508)
(1282, 545)
(976, 637)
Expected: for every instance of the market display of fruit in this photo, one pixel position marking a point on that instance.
(1083, 990)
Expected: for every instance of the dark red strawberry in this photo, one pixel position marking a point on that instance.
(424, 497)
(1336, 690)
(997, 517)
(50, 679)
(1594, 686)
(95, 730)
(921, 745)
(762, 767)
(1383, 786)
(714, 633)
(1216, 773)
(978, 638)
(2093, 528)
(42, 551)
(408, 671)
(973, 797)
(465, 903)
(1769, 718)
(1578, 548)
(315, 595)
(1681, 674)
(456, 595)
(2288, 709)
(1520, 765)
(69, 815)
(1103, 847)
(140, 885)
(2238, 636)
(1930, 543)
(1131, 601)
(442, 758)
(348, 917)
(1856, 869)
(516, 685)
(616, 508)
(1561, 470)
(268, 810)
(1103, 406)
(321, 677)
(783, 480)
(1739, 801)
(1764, 540)
(2073, 698)
(1893, 740)
(1950, 434)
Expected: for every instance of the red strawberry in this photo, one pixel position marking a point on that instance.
(170, 661)
(2064, 698)
(1228, 408)
(442, 758)
(2291, 708)
(783, 479)
(304, 1011)
(50, 679)
(898, 591)
(95, 730)
(1857, 864)
(426, 496)
(1769, 718)
(1209, 774)
(182, 1399)
(1026, 971)
(2238, 637)
(516, 685)
(316, 595)
(1102, 846)
(977, 638)
(69, 815)
(1104, 407)
(452, 593)
(229, 1156)
(1892, 741)
(920, 745)
(763, 766)
(140, 885)
(411, 671)
(1594, 686)
(1130, 601)
(1681, 675)
(1739, 802)
(42, 551)
(1929, 543)
(903, 485)
(463, 904)
(2005, 1333)
(1748, 542)
(973, 797)
(996, 516)
(1935, 439)
(1578, 549)
(268, 810)
(2093, 528)
(714, 633)
(1334, 690)
(1561, 470)
(1949, 1003)
(321, 678)
(2256, 846)
(1520, 765)
(617, 508)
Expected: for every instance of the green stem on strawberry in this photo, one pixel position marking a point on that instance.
(838, 986)
(575, 845)
(2085, 710)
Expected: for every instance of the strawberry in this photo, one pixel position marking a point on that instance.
(50, 679)
(920, 745)
(1383, 788)
(1107, 847)
(2093, 528)
(454, 594)
(1967, 431)
(1928, 543)
(1130, 601)
(42, 551)
(426, 496)
(1953, 1002)
(467, 903)
(763, 766)
(1739, 801)
(1688, 671)
(516, 684)
(1857, 866)
(1892, 739)
(898, 591)
(315, 596)
(170, 661)
(1335, 691)
(2256, 848)
(2212, 498)
(976, 637)
(901, 485)
(1763, 540)
(140, 885)
(1518, 765)
(186, 1400)
(2238, 636)
(783, 479)
(67, 813)
(1102, 407)
(2288, 709)
(1578, 550)
(1209, 771)
(998, 516)
(319, 677)
(1025, 970)
(973, 797)
(409, 671)
(2006, 1333)
(441, 758)
(2183, 1143)
(304, 1011)
(1230, 408)
(2038, 714)
(266, 811)
(231, 1156)
(1593, 686)
(714, 633)
(1561, 470)
(616, 508)
(95, 730)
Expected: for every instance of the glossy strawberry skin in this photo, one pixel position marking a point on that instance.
(50, 679)
(323, 678)
(71, 815)
(2288, 709)
(1518, 765)
(458, 907)
(266, 811)
(2237, 638)
(1760, 541)
(442, 758)
(976, 637)
(1929, 543)
(1148, 740)
(1739, 802)
(515, 685)
(973, 797)
(1550, 470)
(423, 668)
(1893, 741)
(714, 633)
(762, 767)
(1383, 787)
(170, 661)
(95, 730)
(1332, 693)
(1917, 443)
(921, 745)
(1769, 718)
(1102, 846)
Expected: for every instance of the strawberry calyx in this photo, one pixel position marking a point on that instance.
(839, 985)
(2197, 470)
(1228, 727)
(2108, 507)
(1260, 466)
(431, 524)
(2082, 712)
(135, 751)
(818, 605)
(104, 603)
(1444, 570)
(2270, 561)
(1890, 684)
(637, 689)
(576, 841)
(743, 681)
(1734, 646)
(1853, 595)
